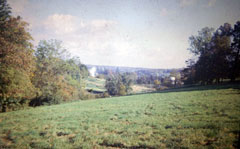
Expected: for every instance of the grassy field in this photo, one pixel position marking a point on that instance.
(141, 89)
(199, 117)
(95, 84)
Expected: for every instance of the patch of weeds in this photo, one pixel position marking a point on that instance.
(7, 139)
(174, 133)
(116, 144)
(209, 142)
(41, 145)
(42, 134)
(62, 134)
(3, 145)
(71, 139)
(119, 132)
(212, 133)
(154, 126)
(173, 143)
(210, 126)
(196, 113)
(147, 113)
(178, 140)
(121, 145)
(168, 126)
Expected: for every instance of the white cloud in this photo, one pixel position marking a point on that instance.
(61, 24)
(94, 41)
(100, 42)
(67, 24)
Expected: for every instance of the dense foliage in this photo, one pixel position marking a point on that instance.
(47, 75)
(16, 60)
(57, 77)
(120, 84)
(217, 55)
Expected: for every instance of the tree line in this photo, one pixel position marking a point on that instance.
(216, 55)
(28, 76)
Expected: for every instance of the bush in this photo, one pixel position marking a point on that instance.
(12, 104)
(105, 95)
(122, 90)
(119, 84)
(84, 95)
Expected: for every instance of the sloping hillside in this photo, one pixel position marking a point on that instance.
(95, 84)
(196, 118)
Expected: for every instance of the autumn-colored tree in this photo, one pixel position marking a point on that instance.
(48, 78)
(58, 78)
(157, 84)
(16, 59)
(121, 89)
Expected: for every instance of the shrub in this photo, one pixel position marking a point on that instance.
(12, 104)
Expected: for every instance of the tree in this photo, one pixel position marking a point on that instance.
(221, 49)
(16, 59)
(111, 85)
(188, 74)
(157, 84)
(200, 46)
(57, 77)
(120, 84)
(121, 89)
(217, 55)
(234, 57)
(128, 80)
(51, 67)
(212, 49)
(5, 10)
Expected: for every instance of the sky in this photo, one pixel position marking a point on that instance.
(133, 33)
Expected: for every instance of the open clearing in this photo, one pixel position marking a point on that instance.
(142, 89)
(200, 117)
(95, 84)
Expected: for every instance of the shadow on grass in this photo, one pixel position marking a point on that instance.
(196, 88)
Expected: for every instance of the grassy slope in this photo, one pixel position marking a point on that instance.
(193, 119)
(136, 89)
(95, 84)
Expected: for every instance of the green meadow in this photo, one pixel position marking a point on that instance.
(95, 84)
(196, 117)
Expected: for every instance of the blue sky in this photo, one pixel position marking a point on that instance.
(135, 33)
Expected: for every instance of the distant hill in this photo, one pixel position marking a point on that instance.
(139, 71)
